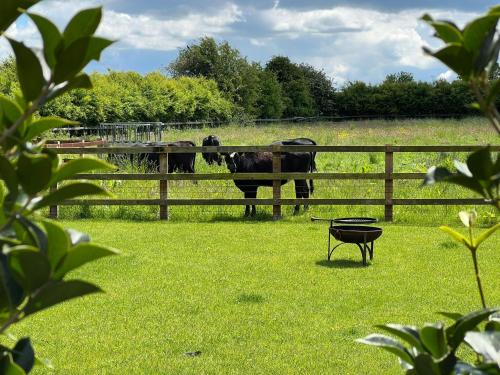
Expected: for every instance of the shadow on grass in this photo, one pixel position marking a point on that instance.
(259, 217)
(341, 263)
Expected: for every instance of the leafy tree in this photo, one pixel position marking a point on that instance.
(321, 89)
(37, 254)
(270, 99)
(401, 77)
(235, 77)
(8, 76)
(294, 86)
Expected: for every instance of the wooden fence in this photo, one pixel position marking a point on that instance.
(163, 201)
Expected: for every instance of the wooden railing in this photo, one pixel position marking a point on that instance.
(163, 177)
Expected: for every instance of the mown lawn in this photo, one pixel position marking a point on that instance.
(253, 297)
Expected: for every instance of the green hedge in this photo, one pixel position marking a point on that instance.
(129, 96)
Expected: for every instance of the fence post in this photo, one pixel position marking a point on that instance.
(163, 185)
(53, 210)
(276, 184)
(389, 183)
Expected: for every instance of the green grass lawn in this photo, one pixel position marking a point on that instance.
(475, 131)
(253, 298)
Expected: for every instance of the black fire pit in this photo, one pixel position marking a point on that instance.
(362, 235)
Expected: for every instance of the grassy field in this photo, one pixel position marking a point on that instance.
(253, 298)
(407, 132)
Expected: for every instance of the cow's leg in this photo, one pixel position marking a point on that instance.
(301, 190)
(253, 194)
(306, 194)
(247, 207)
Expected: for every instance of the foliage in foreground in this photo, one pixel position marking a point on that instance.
(472, 53)
(37, 254)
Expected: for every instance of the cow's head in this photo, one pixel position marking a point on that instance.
(232, 161)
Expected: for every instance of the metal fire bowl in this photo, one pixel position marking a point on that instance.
(355, 233)
(354, 220)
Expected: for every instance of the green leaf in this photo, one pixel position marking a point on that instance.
(96, 46)
(424, 364)
(436, 174)
(467, 182)
(29, 267)
(69, 191)
(456, 236)
(10, 10)
(23, 354)
(494, 10)
(8, 366)
(29, 70)
(434, 339)
(494, 90)
(59, 242)
(476, 31)
(388, 344)
(456, 57)
(76, 166)
(34, 172)
(71, 60)
(408, 333)
(10, 291)
(488, 50)
(8, 175)
(447, 31)
(46, 123)
(480, 164)
(38, 236)
(81, 81)
(80, 255)
(10, 110)
(74, 58)
(487, 344)
(83, 24)
(462, 168)
(51, 37)
(456, 333)
(57, 292)
(487, 233)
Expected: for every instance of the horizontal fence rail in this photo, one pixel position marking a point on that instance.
(229, 149)
(388, 201)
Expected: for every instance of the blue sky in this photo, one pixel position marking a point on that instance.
(350, 40)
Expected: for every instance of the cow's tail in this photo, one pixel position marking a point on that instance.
(312, 169)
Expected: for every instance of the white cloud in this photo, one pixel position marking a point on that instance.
(135, 31)
(149, 32)
(449, 76)
(364, 42)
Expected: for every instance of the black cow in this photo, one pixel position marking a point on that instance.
(302, 142)
(262, 162)
(176, 162)
(212, 157)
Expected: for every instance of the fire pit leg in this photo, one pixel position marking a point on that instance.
(362, 248)
(330, 252)
(370, 250)
(329, 241)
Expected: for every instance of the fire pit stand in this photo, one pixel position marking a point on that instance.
(351, 232)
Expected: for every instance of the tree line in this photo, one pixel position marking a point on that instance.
(212, 81)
